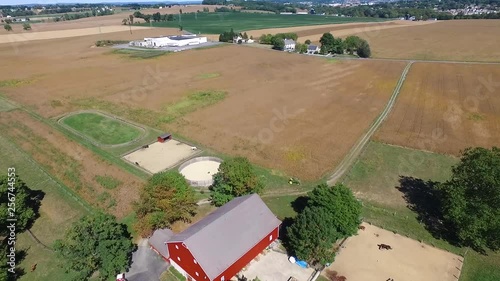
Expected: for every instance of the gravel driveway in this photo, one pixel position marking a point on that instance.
(147, 265)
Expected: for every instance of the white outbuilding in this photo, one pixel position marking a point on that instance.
(170, 41)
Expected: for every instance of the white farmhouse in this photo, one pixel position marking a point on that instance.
(311, 49)
(289, 45)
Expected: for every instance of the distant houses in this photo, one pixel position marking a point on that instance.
(289, 45)
(239, 40)
(312, 49)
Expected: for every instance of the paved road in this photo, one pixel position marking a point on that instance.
(358, 147)
(147, 265)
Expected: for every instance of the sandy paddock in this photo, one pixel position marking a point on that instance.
(200, 171)
(409, 260)
(160, 156)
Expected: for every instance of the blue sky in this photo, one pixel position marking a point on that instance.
(18, 2)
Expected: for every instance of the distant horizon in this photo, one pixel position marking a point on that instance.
(53, 2)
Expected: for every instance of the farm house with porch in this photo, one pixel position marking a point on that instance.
(219, 246)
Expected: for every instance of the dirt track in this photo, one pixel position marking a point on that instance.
(409, 260)
(446, 108)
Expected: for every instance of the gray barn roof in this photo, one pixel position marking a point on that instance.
(289, 41)
(225, 235)
(159, 239)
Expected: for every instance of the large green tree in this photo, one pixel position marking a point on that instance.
(18, 202)
(341, 203)
(352, 43)
(364, 50)
(327, 40)
(329, 44)
(7, 27)
(166, 198)
(96, 243)
(278, 43)
(236, 177)
(312, 235)
(332, 213)
(471, 199)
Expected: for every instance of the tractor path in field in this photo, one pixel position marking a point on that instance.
(356, 150)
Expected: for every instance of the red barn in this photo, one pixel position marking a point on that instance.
(220, 245)
(164, 137)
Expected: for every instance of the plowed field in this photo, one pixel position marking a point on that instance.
(446, 108)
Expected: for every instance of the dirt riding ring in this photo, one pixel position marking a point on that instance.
(199, 171)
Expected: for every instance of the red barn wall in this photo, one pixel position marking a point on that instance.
(187, 261)
(249, 256)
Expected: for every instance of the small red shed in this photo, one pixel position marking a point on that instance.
(220, 245)
(164, 137)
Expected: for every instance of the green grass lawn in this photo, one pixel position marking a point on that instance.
(191, 103)
(377, 173)
(59, 209)
(216, 23)
(102, 129)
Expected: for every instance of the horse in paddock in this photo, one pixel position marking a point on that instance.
(361, 227)
(384, 247)
(33, 267)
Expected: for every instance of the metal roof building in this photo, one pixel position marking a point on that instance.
(220, 245)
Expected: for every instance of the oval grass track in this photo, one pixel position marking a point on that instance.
(102, 129)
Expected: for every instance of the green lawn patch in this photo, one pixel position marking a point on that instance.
(102, 129)
(216, 23)
(108, 181)
(176, 273)
(281, 206)
(15, 82)
(481, 267)
(140, 54)
(377, 173)
(191, 103)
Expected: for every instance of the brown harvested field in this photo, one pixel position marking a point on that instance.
(361, 260)
(446, 108)
(464, 40)
(315, 32)
(302, 120)
(71, 163)
(332, 103)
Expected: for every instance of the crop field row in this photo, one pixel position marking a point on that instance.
(216, 23)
